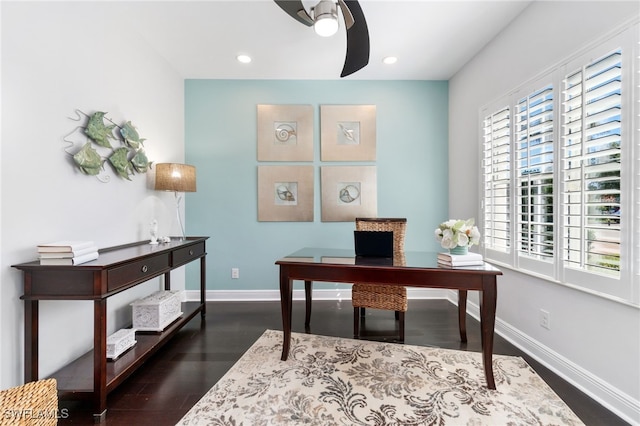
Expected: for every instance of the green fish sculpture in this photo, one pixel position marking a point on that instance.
(88, 160)
(120, 162)
(97, 130)
(140, 162)
(131, 136)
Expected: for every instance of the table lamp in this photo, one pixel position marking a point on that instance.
(177, 178)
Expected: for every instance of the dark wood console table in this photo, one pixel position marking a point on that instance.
(117, 269)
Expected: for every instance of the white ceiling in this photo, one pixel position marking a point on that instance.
(432, 39)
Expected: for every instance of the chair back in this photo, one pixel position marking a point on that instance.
(397, 225)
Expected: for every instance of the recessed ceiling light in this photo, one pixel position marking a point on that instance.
(390, 60)
(245, 59)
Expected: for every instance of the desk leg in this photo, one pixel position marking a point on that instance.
(308, 293)
(462, 314)
(203, 286)
(487, 323)
(286, 295)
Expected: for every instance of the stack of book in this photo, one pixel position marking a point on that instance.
(67, 252)
(455, 260)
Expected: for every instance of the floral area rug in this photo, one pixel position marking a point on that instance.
(338, 381)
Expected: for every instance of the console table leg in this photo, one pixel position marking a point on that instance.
(100, 418)
(100, 354)
(286, 295)
(31, 341)
(462, 314)
(308, 292)
(167, 281)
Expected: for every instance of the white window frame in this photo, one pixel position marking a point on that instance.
(521, 260)
(594, 281)
(625, 288)
(490, 113)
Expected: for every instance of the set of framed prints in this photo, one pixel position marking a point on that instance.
(285, 134)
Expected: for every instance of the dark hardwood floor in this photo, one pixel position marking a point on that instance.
(174, 379)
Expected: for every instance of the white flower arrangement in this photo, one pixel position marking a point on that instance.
(454, 232)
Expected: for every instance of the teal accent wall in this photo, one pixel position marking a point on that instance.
(220, 140)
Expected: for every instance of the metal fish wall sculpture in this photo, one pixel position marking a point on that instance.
(125, 160)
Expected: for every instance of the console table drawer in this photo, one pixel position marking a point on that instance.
(187, 254)
(137, 271)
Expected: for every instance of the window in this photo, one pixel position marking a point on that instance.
(497, 134)
(559, 174)
(534, 181)
(591, 165)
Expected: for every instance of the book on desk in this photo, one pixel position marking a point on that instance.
(67, 252)
(454, 260)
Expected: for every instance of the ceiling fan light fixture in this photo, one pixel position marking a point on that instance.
(325, 16)
(244, 59)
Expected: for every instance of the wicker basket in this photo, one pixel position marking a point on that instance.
(382, 296)
(31, 404)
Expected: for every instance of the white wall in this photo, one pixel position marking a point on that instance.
(57, 58)
(594, 342)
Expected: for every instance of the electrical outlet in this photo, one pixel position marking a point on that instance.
(235, 273)
(545, 319)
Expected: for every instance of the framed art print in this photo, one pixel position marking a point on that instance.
(285, 133)
(285, 193)
(348, 132)
(348, 192)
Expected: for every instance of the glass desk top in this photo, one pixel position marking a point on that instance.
(405, 259)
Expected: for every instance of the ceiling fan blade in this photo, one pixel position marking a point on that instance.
(346, 13)
(357, 40)
(296, 10)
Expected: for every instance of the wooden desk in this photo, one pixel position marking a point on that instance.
(412, 269)
(117, 269)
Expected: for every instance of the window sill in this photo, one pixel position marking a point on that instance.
(571, 286)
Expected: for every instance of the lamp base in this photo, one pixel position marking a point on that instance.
(182, 234)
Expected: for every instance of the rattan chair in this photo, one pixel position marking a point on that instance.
(32, 404)
(381, 296)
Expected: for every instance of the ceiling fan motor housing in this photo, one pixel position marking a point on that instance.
(325, 17)
(325, 7)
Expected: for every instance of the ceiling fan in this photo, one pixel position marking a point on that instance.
(325, 14)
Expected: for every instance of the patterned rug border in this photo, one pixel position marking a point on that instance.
(335, 380)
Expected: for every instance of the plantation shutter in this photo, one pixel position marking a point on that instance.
(591, 165)
(496, 171)
(534, 174)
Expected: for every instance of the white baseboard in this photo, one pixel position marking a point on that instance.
(618, 402)
(613, 399)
